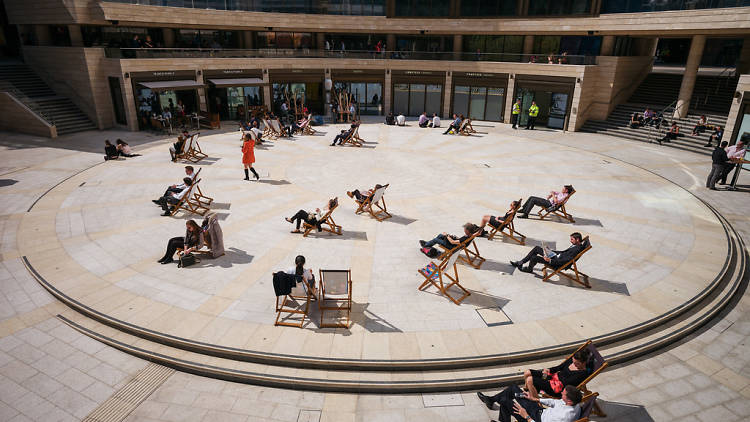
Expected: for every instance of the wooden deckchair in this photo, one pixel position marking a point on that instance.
(198, 193)
(558, 210)
(588, 403)
(508, 229)
(297, 302)
(375, 200)
(183, 153)
(580, 277)
(462, 129)
(438, 275)
(305, 128)
(326, 223)
(268, 130)
(194, 152)
(190, 203)
(356, 136)
(471, 251)
(276, 128)
(595, 365)
(352, 139)
(335, 296)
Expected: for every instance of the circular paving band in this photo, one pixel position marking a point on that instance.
(703, 285)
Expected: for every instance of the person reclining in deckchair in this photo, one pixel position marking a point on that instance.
(551, 380)
(364, 194)
(312, 219)
(495, 222)
(344, 135)
(554, 259)
(514, 402)
(554, 198)
(448, 240)
(171, 199)
(177, 188)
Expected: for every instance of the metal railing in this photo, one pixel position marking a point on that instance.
(655, 133)
(341, 7)
(162, 53)
(11, 89)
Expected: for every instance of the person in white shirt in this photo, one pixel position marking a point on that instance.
(168, 201)
(353, 111)
(516, 403)
(400, 120)
(735, 153)
(435, 121)
(554, 198)
(178, 187)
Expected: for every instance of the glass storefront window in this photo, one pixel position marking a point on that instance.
(416, 99)
(423, 7)
(150, 104)
(253, 95)
(400, 99)
(478, 101)
(433, 100)
(495, 100)
(461, 100)
(631, 6)
(289, 40)
(488, 7)
(374, 99)
(559, 7)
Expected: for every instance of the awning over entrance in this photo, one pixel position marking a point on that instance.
(237, 82)
(171, 85)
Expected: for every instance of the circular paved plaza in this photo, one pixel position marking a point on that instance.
(96, 238)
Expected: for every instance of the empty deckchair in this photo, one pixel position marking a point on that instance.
(380, 212)
(438, 275)
(277, 130)
(326, 223)
(268, 131)
(508, 229)
(558, 210)
(577, 276)
(335, 296)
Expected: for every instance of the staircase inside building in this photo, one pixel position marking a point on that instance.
(712, 97)
(24, 84)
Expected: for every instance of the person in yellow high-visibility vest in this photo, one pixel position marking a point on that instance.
(533, 112)
(515, 113)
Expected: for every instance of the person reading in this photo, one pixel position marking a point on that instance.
(545, 255)
(514, 402)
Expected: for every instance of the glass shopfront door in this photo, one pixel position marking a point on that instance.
(553, 106)
(413, 99)
(368, 97)
(479, 103)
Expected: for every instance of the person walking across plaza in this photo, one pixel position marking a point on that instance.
(719, 161)
(515, 113)
(248, 156)
(533, 112)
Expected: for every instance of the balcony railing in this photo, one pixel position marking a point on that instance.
(174, 53)
(331, 7)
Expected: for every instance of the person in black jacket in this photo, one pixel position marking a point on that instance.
(558, 258)
(719, 161)
(552, 380)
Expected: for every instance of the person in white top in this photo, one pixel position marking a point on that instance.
(735, 153)
(178, 187)
(435, 121)
(168, 201)
(313, 219)
(554, 198)
(516, 403)
(400, 120)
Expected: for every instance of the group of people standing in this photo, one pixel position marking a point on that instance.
(724, 158)
(533, 113)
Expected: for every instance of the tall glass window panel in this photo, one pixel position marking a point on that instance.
(374, 98)
(557, 110)
(461, 100)
(253, 95)
(494, 109)
(400, 99)
(478, 99)
(416, 99)
(433, 100)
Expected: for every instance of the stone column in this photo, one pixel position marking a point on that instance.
(42, 34)
(76, 37)
(128, 97)
(387, 92)
(202, 94)
(458, 46)
(691, 72)
(528, 45)
(608, 45)
(390, 42)
(509, 100)
(743, 62)
(447, 89)
(167, 35)
(247, 36)
(267, 90)
(320, 40)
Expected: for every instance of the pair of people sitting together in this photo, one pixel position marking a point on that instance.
(559, 381)
(209, 233)
(120, 149)
(313, 219)
(176, 192)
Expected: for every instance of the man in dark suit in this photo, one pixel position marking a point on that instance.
(558, 258)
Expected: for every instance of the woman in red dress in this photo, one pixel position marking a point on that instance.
(248, 156)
